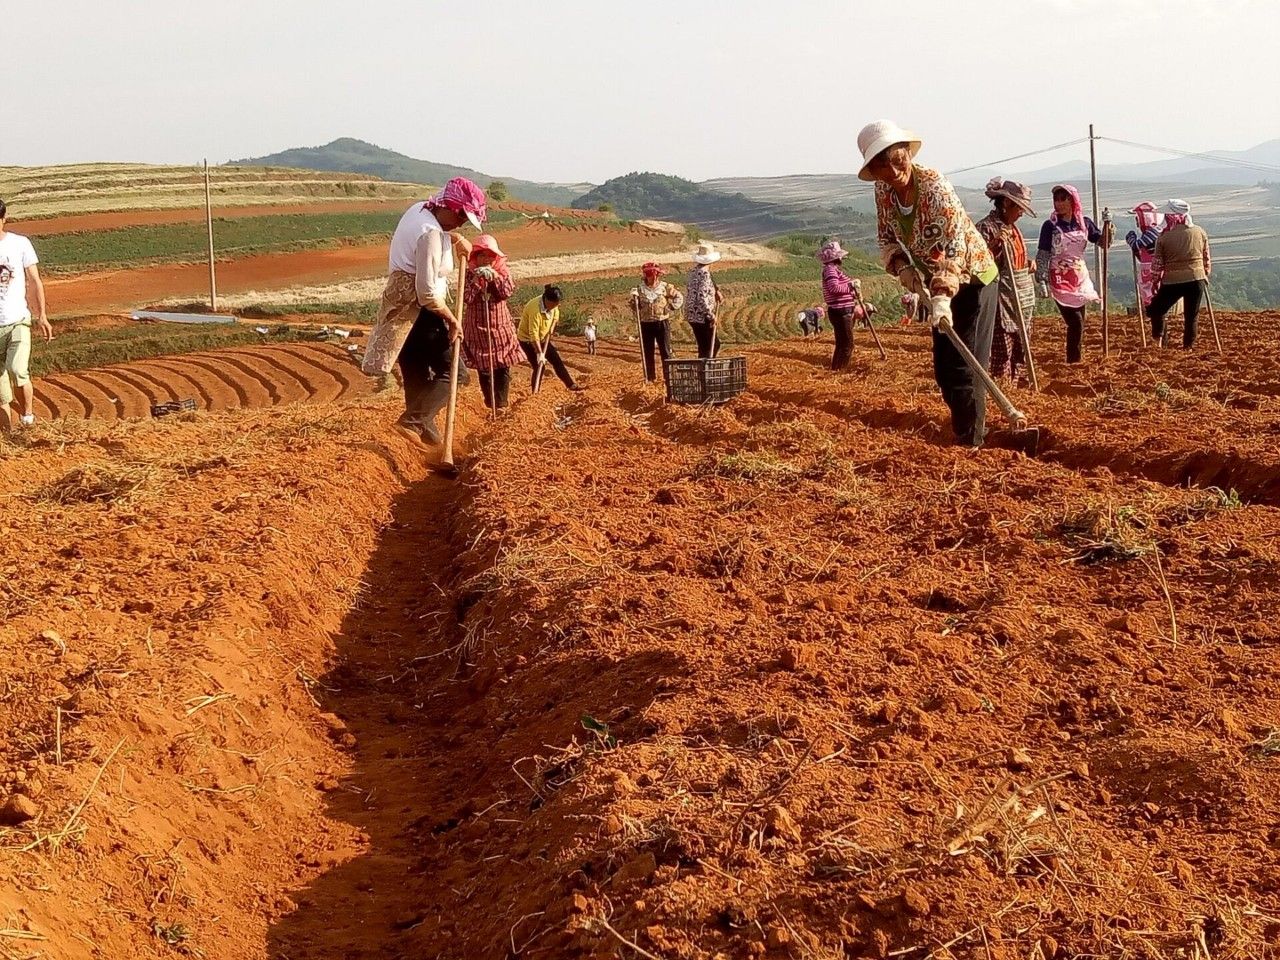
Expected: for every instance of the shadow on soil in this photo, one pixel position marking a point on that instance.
(433, 749)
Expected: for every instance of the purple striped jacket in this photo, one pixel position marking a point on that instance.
(838, 288)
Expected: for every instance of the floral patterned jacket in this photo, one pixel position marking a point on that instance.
(942, 241)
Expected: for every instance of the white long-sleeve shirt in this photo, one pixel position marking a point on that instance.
(421, 247)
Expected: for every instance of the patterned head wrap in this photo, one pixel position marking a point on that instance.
(652, 269)
(1077, 210)
(462, 196)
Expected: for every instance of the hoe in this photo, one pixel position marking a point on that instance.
(446, 466)
(1027, 438)
(866, 316)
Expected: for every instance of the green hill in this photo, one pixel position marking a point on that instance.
(728, 215)
(348, 155)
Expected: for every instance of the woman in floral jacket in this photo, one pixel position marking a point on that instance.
(929, 243)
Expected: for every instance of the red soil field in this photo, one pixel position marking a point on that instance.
(132, 289)
(793, 677)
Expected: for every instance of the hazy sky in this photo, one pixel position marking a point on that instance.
(568, 90)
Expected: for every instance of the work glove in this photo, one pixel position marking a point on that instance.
(486, 273)
(910, 280)
(940, 310)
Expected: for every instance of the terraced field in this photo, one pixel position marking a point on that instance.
(237, 378)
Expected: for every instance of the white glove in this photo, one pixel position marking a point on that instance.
(940, 310)
(486, 273)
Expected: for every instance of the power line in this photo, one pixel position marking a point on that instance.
(1229, 161)
(1020, 156)
(822, 201)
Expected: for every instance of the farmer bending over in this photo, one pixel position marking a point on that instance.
(538, 323)
(415, 327)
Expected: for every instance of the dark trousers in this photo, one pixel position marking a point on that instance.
(1191, 294)
(1074, 316)
(842, 326)
(591, 348)
(654, 335)
(708, 342)
(496, 387)
(973, 312)
(424, 360)
(553, 358)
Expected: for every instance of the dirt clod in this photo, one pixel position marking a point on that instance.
(799, 656)
(915, 902)
(777, 937)
(1018, 759)
(18, 809)
(780, 825)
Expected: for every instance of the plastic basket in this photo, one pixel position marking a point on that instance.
(705, 381)
(173, 406)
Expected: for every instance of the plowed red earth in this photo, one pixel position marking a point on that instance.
(120, 289)
(790, 678)
(230, 379)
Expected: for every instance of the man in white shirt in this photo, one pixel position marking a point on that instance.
(18, 268)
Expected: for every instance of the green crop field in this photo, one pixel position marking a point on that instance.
(236, 237)
(761, 301)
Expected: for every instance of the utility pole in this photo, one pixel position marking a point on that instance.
(1093, 176)
(209, 222)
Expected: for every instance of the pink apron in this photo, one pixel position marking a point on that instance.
(1068, 276)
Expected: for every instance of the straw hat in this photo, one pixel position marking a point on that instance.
(879, 136)
(1011, 190)
(705, 254)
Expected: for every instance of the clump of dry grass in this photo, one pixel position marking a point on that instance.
(95, 483)
(1130, 400)
(1102, 532)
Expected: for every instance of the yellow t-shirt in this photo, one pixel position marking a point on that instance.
(535, 322)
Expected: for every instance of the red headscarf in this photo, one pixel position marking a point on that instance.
(652, 269)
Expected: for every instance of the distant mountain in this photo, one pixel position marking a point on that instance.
(1199, 171)
(722, 214)
(347, 155)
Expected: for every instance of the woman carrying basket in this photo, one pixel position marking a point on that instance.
(1017, 292)
(488, 332)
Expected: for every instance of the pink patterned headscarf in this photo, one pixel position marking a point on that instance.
(462, 196)
(1077, 209)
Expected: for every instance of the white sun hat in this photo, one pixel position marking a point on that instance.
(879, 136)
(706, 253)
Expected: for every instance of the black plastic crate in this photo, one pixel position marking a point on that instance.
(705, 381)
(173, 406)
